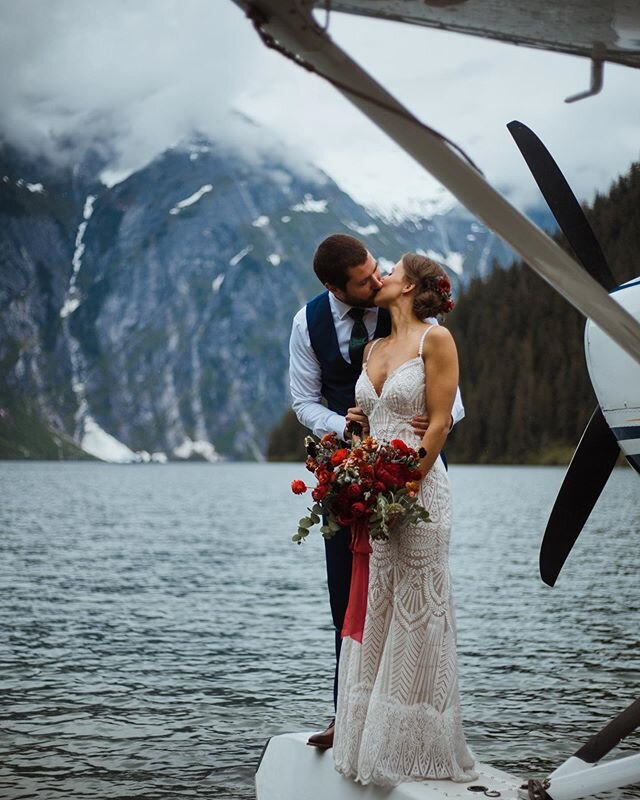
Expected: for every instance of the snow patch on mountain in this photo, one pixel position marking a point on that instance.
(72, 299)
(363, 230)
(189, 201)
(415, 209)
(453, 260)
(202, 448)
(311, 206)
(97, 442)
(112, 177)
(239, 256)
(36, 188)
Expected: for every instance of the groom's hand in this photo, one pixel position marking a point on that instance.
(356, 414)
(420, 425)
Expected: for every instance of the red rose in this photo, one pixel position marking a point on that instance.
(400, 445)
(394, 476)
(358, 509)
(378, 487)
(320, 492)
(298, 487)
(354, 491)
(339, 456)
(323, 476)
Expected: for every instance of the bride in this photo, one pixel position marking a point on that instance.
(398, 713)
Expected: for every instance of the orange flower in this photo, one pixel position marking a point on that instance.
(412, 487)
(339, 456)
(298, 487)
(328, 439)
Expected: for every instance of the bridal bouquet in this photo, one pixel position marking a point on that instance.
(371, 486)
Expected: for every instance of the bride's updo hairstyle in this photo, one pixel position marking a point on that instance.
(433, 287)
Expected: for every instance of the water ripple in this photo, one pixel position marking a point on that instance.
(157, 625)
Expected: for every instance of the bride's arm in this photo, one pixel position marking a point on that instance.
(441, 381)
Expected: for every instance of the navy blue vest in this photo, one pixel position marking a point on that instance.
(338, 376)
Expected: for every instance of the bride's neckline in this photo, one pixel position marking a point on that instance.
(379, 394)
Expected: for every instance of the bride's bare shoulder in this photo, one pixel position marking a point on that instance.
(438, 338)
(437, 333)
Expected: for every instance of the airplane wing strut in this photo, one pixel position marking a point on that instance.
(295, 31)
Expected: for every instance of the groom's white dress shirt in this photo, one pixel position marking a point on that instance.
(305, 378)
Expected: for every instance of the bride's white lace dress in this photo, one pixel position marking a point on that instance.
(398, 715)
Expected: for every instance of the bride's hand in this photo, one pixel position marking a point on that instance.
(356, 414)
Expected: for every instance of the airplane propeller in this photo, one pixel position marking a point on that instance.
(597, 451)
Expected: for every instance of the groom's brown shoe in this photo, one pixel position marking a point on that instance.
(324, 739)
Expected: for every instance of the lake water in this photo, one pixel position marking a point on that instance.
(157, 625)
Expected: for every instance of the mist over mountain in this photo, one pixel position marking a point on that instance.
(149, 319)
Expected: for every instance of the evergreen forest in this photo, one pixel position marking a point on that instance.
(523, 375)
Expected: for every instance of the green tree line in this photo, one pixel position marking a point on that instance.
(523, 374)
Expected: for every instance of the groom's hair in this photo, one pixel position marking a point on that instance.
(335, 255)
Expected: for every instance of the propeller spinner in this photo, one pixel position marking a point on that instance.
(616, 420)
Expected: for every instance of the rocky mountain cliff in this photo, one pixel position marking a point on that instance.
(150, 320)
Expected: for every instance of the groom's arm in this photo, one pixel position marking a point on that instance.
(457, 412)
(305, 383)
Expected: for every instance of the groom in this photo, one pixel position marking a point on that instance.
(328, 337)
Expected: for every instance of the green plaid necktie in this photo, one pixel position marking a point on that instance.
(359, 337)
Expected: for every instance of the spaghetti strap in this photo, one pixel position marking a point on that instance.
(422, 340)
(373, 344)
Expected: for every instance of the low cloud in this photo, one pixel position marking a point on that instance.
(134, 78)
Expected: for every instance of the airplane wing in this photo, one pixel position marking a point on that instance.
(604, 29)
(289, 27)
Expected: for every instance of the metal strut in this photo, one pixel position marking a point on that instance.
(597, 75)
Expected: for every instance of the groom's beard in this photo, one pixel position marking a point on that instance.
(358, 302)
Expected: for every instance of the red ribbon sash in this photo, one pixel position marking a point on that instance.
(353, 625)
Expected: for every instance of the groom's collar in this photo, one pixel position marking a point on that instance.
(342, 309)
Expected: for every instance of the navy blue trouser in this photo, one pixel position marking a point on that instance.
(338, 557)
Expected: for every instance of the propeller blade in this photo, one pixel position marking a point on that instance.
(589, 470)
(563, 204)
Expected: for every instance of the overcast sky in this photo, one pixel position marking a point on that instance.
(141, 75)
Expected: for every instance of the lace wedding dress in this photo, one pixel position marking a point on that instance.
(398, 715)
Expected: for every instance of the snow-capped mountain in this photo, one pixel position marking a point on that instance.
(149, 318)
